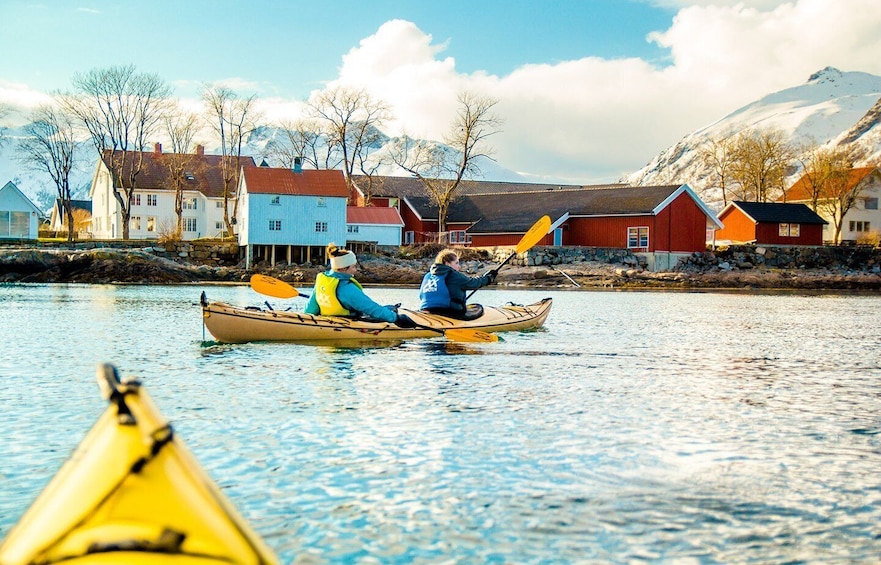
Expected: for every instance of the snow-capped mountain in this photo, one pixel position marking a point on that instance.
(832, 107)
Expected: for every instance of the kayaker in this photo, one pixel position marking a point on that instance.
(337, 293)
(443, 286)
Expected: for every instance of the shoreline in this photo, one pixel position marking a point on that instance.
(136, 266)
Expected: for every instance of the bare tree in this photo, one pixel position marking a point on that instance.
(717, 155)
(300, 139)
(762, 159)
(121, 109)
(822, 165)
(352, 118)
(180, 128)
(50, 147)
(233, 119)
(833, 190)
(441, 171)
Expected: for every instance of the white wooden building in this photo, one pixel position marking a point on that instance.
(290, 215)
(19, 217)
(153, 201)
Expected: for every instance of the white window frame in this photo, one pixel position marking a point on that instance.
(320, 227)
(151, 200)
(352, 229)
(275, 200)
(639, 234)
(151, 223)
(459, 236)
(274, 225)
(190, 224)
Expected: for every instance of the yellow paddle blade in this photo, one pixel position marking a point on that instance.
(535, 234)
(272, 287)
(471, 336)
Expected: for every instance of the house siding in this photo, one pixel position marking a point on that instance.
(19, 217)
(768, 233)
(608, 231)
(680, 227)
(298, 216)
(738, 227)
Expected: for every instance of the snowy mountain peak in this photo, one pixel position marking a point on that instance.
(832, 107)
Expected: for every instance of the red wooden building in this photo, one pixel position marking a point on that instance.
(658, 221)
(770, 223)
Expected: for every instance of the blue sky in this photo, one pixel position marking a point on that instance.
(589, 90)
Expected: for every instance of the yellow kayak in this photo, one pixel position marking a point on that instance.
(233, 324)
(132, 493)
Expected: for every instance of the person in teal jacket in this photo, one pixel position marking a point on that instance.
(443, 286)
(337, 293)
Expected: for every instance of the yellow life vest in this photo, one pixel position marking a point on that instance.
(325, 295)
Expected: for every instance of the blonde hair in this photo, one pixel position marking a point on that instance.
(446, 256)
(340, 258)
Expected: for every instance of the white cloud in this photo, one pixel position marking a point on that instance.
(592, 120)
(21, 99)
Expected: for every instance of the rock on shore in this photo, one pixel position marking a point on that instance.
(703, 271)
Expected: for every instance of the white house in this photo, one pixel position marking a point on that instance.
(374, 225)
(863, 220)
(19, 217)
(82, 215)
(290, 214)
(153, 200)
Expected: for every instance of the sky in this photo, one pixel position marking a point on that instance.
(588, 90)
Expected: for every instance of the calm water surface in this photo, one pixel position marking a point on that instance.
(635, 427)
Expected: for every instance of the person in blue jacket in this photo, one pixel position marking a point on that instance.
(443, 286)
(337, 293)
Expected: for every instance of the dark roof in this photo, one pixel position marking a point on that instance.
(775, 212)
(205, 173)
(515, 212)
(76, 205)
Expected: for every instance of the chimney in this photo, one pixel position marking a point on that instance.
(200, 150)
(298, 164)
(157, 148)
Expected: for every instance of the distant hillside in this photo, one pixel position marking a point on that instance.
(833, 107)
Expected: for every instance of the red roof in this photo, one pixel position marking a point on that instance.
(802, 189)
(373, 215)
(206, 174)
(310, 182)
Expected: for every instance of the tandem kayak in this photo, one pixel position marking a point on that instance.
(233, 324)
(132, 493)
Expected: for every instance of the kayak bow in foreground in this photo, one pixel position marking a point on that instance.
(132, 493)
(233, 324)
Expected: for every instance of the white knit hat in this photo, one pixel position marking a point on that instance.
(342, 261)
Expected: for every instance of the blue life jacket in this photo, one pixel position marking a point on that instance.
(433, 293)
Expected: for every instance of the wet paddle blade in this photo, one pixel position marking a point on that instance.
(470, 336)
(272, 287)
(535, 234)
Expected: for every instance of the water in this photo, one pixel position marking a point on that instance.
(635, 427)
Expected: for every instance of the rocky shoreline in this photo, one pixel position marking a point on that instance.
(701, 271)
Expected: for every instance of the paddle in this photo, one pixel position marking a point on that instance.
(535, 234)
(274, 287)
(279, 289)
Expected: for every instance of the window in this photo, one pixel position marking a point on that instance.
(274, 225)
(218, 204)
(871, 204)
(352, 229)
(276, 200)
(788, 230)
(459, 236)
(189, 175)
(638, 237)
(134, 223)
(151, 200)
(136, 200)
(218, 225)
(151, 223)
(860, 226)
(189, 224)
(320, 226)
(409, 237)
(15, 224)
(189, 204)
(322, 202)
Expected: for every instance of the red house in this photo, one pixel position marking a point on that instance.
(661, 222)
(770, 223)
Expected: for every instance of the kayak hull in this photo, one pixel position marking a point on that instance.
(132, 493)
(232, 324)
